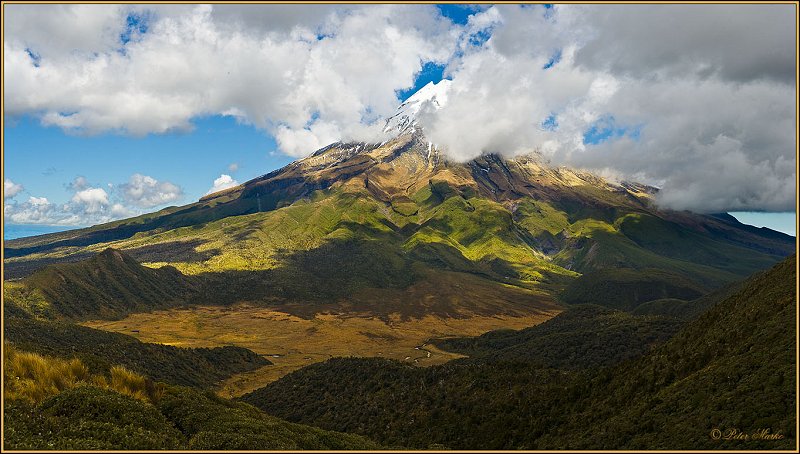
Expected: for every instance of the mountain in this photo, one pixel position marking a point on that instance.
(375, 226)
(431, 97)
(733, 367)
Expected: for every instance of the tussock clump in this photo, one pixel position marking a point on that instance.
(35, 377)
(127, 382)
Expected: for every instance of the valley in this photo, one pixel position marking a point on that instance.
(292, 342)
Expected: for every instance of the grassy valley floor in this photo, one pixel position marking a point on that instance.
(292, 342)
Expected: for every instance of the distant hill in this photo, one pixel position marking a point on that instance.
(109, 285)
(625, 289)
(732, 367)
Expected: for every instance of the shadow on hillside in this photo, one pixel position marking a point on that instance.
(371, 273)
(173, 251)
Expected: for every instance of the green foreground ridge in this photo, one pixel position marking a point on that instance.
(58, 404)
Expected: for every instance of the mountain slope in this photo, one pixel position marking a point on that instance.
(581, 337)
(733, 367)
(626, 289)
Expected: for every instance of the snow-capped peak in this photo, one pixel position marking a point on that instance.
(434, 95)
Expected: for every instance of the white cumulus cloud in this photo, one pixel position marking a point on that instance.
(11, 189)
(334, 73)
(92, 199)
(223, 182)
(38, 201)
(91, 205)
(146, 192)
(708, 116)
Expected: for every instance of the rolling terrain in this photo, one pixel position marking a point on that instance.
(374, 249)
(732, 367)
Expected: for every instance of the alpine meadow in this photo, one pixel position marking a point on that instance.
(275, 227)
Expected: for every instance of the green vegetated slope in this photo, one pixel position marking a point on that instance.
(581, 337)
(54, 404)
(625, 289)
(109, 285)
(732, 367)
(100, 350)
(339, 246)
(88, 418)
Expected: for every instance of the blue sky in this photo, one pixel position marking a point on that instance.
(110, 151)
(46, 159)
(782, 222)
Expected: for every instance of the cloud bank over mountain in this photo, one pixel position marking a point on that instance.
(696, 99)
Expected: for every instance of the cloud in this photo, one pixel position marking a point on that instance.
(11, 189)
(737, 43)
(705, 158)
(120, 211)
(60, 30)
(710, 118)
(221, 183)
(92, 205)
(233, 167)
(78, 184)
(147, 192)
(334, 72)
(35, 211)
(92, 200)
(38, 201)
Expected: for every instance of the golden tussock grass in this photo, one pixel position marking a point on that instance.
(125, 381)
(36, 377)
